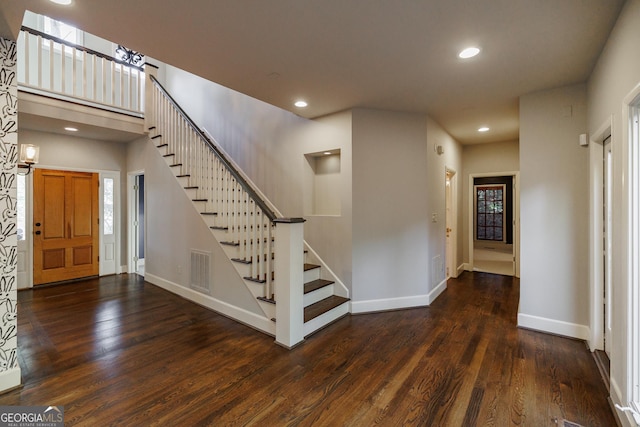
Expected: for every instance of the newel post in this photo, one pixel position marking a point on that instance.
(149, 114)
(289, 278)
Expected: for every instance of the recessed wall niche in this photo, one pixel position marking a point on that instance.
(322, 183)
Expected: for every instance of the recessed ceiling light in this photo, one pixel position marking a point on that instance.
(469, 52)
(62, 2)
(71, 129)
(483, 129)
(300, 104)
(326, 153)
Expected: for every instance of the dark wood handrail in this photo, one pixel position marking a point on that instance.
(80, 48)
(236, 174)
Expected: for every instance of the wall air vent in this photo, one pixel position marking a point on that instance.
(200, 279)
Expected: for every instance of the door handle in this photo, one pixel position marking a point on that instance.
(37, 224)
(38, 232)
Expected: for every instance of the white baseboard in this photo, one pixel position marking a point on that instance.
(461, 269)
(625, 419)
(467, 266)
(239, 314)
(386, 304)
(435, 292)
(553, 326)
(123, 269)
(10, 379)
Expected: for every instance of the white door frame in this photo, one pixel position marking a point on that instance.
(451, 211)
(131, 218)
(596, 225)
(116, 225)
(516, 215)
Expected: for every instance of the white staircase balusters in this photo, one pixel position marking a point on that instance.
(247, 226)
(50, 65)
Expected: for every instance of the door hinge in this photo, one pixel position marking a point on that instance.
(98, 221)
(98, 258)
(135, 187)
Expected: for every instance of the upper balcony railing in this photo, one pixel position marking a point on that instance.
(51, 66)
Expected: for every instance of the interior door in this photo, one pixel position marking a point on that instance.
(607, 240)
(65, 225)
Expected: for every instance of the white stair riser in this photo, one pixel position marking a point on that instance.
(318, 295)
(192, 193)
(170, 160)
(268, 308)
(311, 275)
(184, 181)
(325, 318)
(210, 220)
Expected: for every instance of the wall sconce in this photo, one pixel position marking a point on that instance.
(28, 156)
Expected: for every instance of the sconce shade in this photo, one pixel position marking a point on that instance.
(29, 154)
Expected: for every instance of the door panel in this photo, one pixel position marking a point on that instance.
(53, 216)
(65, 217)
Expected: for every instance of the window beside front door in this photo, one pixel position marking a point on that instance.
(490, 212)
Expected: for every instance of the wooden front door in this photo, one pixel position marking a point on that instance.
(65, 225)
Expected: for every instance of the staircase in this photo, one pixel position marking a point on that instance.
(242, 222)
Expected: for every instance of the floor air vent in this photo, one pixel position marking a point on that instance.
(201, 271)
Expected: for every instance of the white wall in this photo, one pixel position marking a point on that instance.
(174, 228)
(554, 195)
(398, 183)
(485, 158)
(616, 75)
(401, 183)
(269, 145)
(438, 164)
(73, 153)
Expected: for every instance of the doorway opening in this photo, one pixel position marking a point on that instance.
(600, 244)
(136, 186)
(451, 216)
(493, 219)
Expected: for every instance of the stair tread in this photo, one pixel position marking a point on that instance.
(322, 306)
(314, 285)
(308, 267)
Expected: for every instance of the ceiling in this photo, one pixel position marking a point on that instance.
(338, 55)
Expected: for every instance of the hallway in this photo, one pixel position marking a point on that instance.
(119, 351)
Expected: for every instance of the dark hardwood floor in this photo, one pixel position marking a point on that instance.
(118, 351)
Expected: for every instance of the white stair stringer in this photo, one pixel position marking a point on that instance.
(256, 289)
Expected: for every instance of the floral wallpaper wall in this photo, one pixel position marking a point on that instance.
(8, 235)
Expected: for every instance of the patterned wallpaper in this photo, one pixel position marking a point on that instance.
(8, 236)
